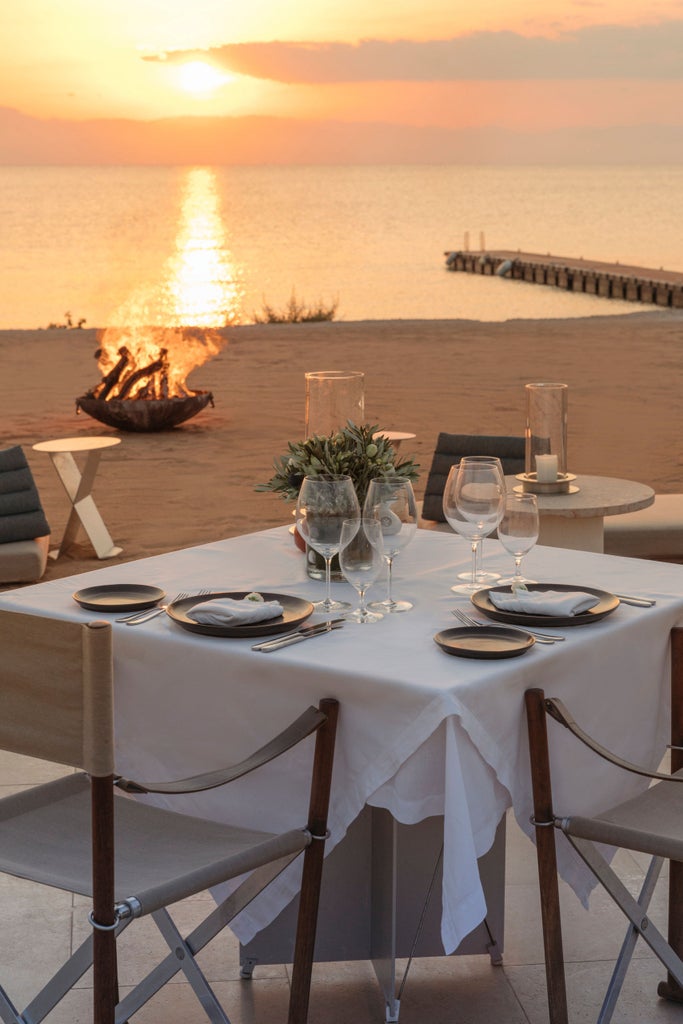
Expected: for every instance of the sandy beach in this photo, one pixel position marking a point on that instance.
(194, 484)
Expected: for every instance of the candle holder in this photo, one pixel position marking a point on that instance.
(545, 456)
(333, 397)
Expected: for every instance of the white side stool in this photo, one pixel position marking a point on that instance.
(78, 486)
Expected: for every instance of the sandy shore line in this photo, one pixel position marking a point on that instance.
(194, 484)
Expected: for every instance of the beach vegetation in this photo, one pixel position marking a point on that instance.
(69, 323)
(297, 312)
(356, 451)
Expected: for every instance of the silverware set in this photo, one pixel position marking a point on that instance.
(305, 633)
(637, 602)
(136, 618)
(542, 638)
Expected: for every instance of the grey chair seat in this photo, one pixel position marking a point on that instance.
(651, 823)
(161, 856)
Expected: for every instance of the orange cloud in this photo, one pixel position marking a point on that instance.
(597, 52)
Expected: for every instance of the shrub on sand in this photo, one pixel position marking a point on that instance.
(69, 323)
(296, 312)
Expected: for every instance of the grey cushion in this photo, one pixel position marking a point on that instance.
(24, 561)
(654, 532)
(450, 448)
(21, 513)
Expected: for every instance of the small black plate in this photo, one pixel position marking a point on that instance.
(484, 641)
(119, 597)
(295, 611)
(607, 604)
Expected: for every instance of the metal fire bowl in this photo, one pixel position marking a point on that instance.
(144, 414)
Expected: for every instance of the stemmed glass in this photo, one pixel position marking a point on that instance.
(325, 501)
(391, 500)
(518, 531)
(473, 504)
(484, 577)
(361, 560)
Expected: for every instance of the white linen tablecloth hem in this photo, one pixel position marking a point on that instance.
(471, 908)
(347, 806)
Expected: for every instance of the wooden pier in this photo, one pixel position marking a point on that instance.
(607, 280)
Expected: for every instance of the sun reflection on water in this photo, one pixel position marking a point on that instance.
(202, 282)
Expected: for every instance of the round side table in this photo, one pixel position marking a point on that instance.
(78, 485)
(577, 520)
(395, 437)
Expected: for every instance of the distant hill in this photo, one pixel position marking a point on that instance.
(272, 140)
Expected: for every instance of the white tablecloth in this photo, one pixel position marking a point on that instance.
(420, 733)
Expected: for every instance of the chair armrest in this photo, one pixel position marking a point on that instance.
(309, 722)
(556, 709)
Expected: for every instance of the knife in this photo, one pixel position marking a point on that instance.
(638, 602)
(302, 634)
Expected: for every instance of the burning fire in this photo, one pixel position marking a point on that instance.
(163, 332)
(152, 362)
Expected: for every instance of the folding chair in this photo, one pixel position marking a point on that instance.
(56, 685)
(651, 823)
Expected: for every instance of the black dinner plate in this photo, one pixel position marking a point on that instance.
(484, 641)
(295, 611)
(119, 597)
(606, 605)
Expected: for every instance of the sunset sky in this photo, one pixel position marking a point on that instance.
(160, 81)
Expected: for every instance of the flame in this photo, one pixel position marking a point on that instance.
(164, 332)
(162, 356)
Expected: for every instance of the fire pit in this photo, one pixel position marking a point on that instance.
(144, 413)
(143, 385)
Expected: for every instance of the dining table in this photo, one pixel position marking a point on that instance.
(423, 736)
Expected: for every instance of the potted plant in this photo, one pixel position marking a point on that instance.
(356, 451)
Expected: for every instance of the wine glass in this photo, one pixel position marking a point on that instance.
(325, 501)
(473, 504)
(361, 559)
(484, 577)
(518, 531)
(391, 500)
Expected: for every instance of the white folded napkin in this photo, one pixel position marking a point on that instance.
(226, 611)
(544, 602)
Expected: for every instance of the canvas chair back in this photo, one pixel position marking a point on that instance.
(451, 448)
(56, 691)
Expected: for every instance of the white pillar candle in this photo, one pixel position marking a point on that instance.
(546, 469)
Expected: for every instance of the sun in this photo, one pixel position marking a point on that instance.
(200, 78)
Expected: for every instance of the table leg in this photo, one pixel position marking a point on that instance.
(84, 512)
(383, 910)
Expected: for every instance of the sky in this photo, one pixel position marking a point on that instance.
(341, 81)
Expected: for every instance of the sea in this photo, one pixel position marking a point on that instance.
(223, 245)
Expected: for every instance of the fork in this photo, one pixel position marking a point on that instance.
(468, 620)
(134, 620)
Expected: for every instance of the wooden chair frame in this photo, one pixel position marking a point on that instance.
(547, 822)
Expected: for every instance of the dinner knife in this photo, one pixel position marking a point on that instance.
(294, 638)
(637, 602)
